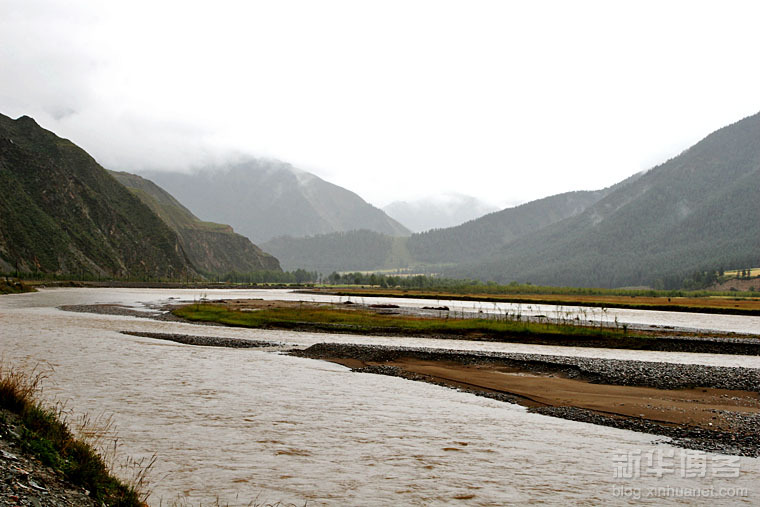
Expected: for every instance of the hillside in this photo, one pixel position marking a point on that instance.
(697, 211)
(476, 239)
(212, 248)
(483, 237)
(341, 251)
(263, 199)
(437, 212)
(61, 212)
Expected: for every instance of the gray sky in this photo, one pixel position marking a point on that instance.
(506, 101)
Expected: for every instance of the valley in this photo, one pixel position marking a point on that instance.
(291, 254)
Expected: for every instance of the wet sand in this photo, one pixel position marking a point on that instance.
(700, 407)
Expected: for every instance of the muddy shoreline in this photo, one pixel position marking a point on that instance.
(729, 430)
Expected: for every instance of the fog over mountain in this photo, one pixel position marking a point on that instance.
(432, 250)
(695, 213)
(211, 247)
(424, 111)
(438, 211)
(265, 198)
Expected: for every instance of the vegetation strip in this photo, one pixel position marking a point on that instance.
(38, 431)
(13, 286)
(356, 319)
(717, 305)
(688, 405)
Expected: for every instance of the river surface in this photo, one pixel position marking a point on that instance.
(242, 425)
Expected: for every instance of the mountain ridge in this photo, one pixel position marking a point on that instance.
(427, 251)
(263, 199)
(212, 248)
(61, 212)
(696, 211)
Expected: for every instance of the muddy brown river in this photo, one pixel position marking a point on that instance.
(250, 425)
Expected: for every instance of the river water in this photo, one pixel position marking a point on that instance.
(255, 425)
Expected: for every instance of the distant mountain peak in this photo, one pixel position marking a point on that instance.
(438, 211)
(265, 198)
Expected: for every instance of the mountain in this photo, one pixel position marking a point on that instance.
(485, 236)
(697, 211)
(476, 239)
(263, 199)
(61, 212)
(211, 247)
(360, 250)
(437, 212)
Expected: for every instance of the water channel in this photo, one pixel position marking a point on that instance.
(242, 425)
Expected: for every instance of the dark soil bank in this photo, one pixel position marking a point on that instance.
(206, 341)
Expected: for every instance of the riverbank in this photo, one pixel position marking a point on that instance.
(707, 408)
(26, 480)
(42, 462)
(13, 286)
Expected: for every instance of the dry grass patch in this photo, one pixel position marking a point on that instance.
(43, 432)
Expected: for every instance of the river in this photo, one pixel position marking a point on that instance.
(242, 425)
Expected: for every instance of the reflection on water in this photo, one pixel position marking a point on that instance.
(244, 424)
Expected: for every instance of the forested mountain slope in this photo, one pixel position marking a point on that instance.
(477, 239)
(212, 248)
(697, 211)
(484, 236)
(338, 251)
(61, 212)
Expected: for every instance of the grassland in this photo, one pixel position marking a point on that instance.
(359, 320)
(330, 318)
(369, 320)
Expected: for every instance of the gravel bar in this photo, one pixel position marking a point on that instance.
(596, 370)
(206, 341)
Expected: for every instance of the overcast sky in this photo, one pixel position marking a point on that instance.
(505, 101)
